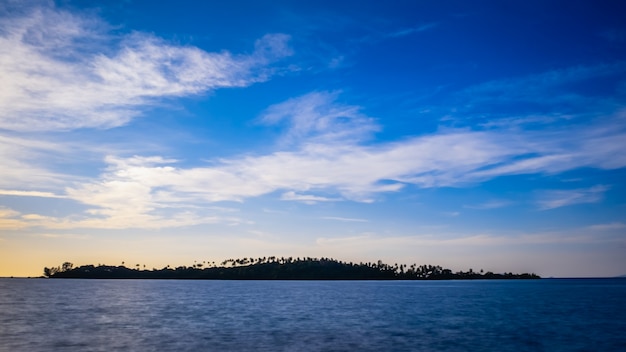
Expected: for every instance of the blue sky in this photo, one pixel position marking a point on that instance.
(480, 134)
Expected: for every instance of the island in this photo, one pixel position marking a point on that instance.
(275, 268)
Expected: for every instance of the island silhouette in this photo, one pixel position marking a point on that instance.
(275, 268)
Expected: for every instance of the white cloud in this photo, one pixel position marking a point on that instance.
(338, 218)
(24, 163)
(8, 213)
(306, 198)
(61, 71)
(129, 195)
(8, 192)
(321, 167)
(10, 219)
(597, 143)
(492, 204)
(559, 198)
(408, 31)
(68, 236)
(608, 227)
(317, 117)
(373, 241)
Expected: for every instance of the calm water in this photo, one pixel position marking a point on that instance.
(146, 315)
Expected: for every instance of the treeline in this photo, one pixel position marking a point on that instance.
(273, 268)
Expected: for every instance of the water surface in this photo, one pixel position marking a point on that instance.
(176, 315)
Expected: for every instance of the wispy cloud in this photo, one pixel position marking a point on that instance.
(531, 87)
(62, 71)
(412, 30)
(337, 218)
(576, 236)
(7, 192)
(7, 213)
(58, 76)
(540, 98)
(560, 198)
(306, 198)
(67, 236)
(10, 219)
(492, 204)
(321, 167)
(25, 162)
(608, 227)
(340, 241)
(319, 118)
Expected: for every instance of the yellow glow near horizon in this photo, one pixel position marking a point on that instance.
(25, 254)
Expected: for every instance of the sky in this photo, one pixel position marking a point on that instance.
(467, 134)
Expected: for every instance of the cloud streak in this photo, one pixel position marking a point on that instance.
(58, 76)
(338, 218)
(8, 192)
(63, 72)
(608, 227)
(492, 204)
(317, 117)
(560, 198)
(323, 167)
(306, 198)
(26, 161)
(412, 30)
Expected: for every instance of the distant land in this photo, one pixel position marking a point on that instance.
(274, 268)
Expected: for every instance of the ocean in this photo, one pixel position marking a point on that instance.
(178, 315)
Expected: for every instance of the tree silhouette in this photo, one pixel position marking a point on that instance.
(272, 268)
(49, 272)
(67, 266)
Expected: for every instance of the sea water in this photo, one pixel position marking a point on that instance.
(177, 315)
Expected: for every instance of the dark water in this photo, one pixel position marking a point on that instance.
(146, 315)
